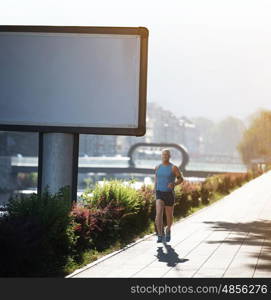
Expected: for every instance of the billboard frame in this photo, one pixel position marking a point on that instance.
(141, 31)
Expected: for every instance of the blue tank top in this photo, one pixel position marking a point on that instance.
(164, 176)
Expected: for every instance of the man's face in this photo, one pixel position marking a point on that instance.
(165, 156)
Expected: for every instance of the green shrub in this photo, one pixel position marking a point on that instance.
(115, 194)
(21, 246)
(223, 184)
(205, 193)
(56, 239)
(212, 183)
(135, 222)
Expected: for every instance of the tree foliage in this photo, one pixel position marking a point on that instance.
(256, 140)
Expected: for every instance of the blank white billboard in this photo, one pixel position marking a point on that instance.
(66, 80)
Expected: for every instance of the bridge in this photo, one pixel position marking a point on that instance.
(216, 158)
(121, 164)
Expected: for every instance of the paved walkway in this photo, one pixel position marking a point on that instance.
(231, 238)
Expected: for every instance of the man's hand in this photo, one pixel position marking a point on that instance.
(171, 185)
(179, 176)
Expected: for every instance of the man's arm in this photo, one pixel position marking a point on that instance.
(178, 175)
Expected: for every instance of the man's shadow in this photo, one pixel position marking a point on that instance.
(169, 256)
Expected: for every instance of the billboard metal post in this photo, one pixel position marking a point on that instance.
(58, 162)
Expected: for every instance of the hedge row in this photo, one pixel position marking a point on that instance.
(42, 236)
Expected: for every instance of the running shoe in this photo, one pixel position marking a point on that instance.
(168, 237)
(159, 239)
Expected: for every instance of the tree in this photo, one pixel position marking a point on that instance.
(256, 140)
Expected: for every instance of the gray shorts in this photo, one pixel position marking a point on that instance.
(167, 197)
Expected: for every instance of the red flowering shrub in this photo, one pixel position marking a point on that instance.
(94, 227)
(183, 201)
(147, 200)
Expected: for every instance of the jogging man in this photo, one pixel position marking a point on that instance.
(164, 183)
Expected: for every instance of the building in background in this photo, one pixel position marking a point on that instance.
(163, 126)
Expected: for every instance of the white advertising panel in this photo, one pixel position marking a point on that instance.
(73, 79)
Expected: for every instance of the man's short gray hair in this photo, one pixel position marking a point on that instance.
(166, 150)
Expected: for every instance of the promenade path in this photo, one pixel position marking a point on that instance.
(230, 238)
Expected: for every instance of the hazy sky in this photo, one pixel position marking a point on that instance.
(206, 57)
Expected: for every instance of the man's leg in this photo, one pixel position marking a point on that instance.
(169, 215)
(159, 216)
